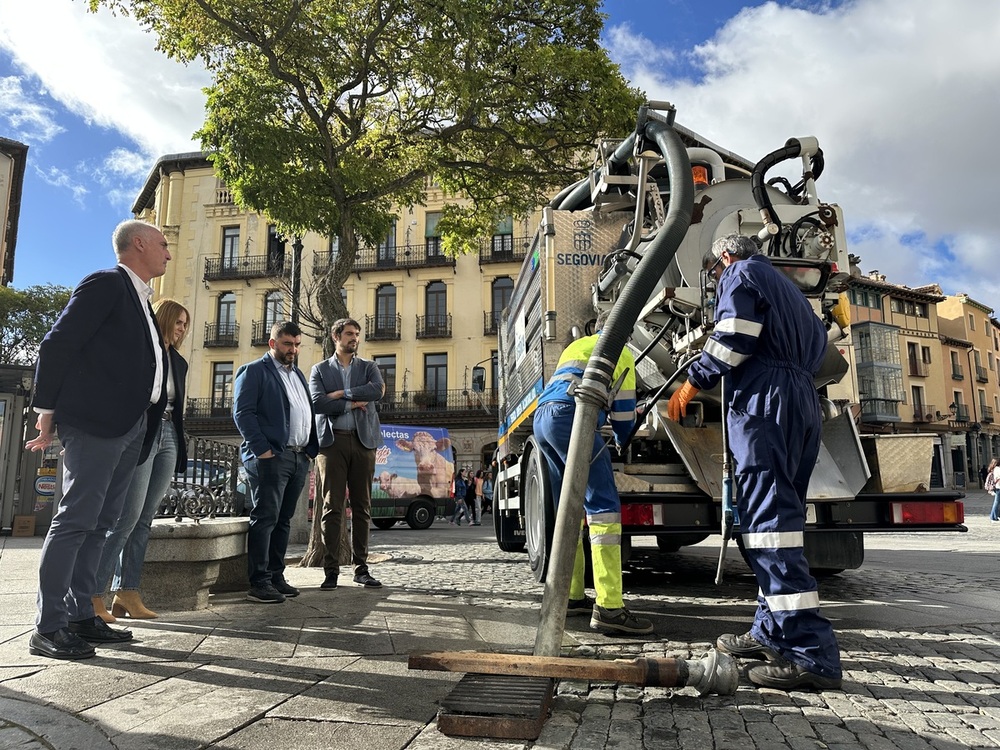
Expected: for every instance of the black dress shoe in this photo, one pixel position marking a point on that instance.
(284, 587)
(59, 644)
(364, 578)
(330, 582)
(95, 630)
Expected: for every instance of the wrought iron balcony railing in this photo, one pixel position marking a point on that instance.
(383, 327)
(209, 408)
(924, 413)
(261, 333)
(246, 267)
(987, 412)
(222, 334)
(957, 373)
(491, 322)
(433, 326)
(438, 401)
(504, 248)
(982, 374)
(919, 369)
(402, 256)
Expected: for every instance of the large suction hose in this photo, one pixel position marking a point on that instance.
(793, 147)
(592, 394)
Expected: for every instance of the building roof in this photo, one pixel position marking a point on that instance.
(875, 280)
(167, 164)
(19, 153)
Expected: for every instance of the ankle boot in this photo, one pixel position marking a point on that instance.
(128, 602)
(100, 610)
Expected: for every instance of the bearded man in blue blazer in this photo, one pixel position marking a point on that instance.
(99, 383)
(273, 412)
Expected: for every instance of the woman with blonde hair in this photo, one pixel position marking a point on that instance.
(125, 546)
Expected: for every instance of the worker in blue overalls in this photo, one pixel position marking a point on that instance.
(552, 425)
(768, 344)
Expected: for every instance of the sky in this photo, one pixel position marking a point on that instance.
(900, 93)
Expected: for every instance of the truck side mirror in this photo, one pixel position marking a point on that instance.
(478, 379)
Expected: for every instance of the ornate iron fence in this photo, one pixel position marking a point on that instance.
(213, 484)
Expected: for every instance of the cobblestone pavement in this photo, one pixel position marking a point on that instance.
(328, 670)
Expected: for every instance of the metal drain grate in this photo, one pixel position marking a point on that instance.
(497, 705)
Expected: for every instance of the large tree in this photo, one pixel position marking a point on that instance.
(26, 315)
(327, 115)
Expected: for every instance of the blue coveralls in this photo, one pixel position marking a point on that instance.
(552, 426)
(769, 343)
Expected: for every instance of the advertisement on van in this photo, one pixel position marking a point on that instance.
(413, 473)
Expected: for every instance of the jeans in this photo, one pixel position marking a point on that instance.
(461, 509)
(275, 486)
(996, 506)
(125, 547)
(477, 509)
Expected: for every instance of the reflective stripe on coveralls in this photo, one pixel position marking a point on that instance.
(769, 342)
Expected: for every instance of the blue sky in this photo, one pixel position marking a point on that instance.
(901, 94)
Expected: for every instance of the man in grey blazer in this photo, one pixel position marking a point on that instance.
(344, 390)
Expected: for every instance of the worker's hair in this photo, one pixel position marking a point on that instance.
(737, 245)
(285, 328)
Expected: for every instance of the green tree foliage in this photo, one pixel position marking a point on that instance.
(325, 114)
(26, 315)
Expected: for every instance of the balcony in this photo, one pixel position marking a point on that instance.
(491, 322)
(453, 405)
(209, 408)
(323, 262)
(246, 267)
(982, 374)
(961, 413)
(924, 413)
(434, 326)
(261, 333)
(222, 334)
(504, 248)
(919, 369)
(956, 372)
(383, 327)
(402, 256)
(879, 410)
(987, 412)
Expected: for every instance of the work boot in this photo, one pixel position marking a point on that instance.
(784, 675)
(584, 606)
(744, 646)
(611, 621)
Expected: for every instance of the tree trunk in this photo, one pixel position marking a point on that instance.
(316, 550)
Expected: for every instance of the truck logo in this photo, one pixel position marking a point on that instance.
(580, 259)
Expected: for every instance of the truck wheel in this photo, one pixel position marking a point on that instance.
(539, 512)
(420, 515)
(384, 523)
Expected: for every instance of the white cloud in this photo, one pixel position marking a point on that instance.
(902, 96)
(61, 179)
(106, 70)
(28, 120)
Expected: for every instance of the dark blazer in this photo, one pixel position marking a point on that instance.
(366, 385)
(261, 409)
(180, 371)
(95, 367)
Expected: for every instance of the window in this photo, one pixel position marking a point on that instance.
(387, 247)
(387, 366)
(436, 376)
(877, 343)
(222, 386)
(503, 237)
(495, 366)
(226, 313)
(274, 309)
(502, 290)
(436, 299)
(275, 250)
(431, 236)
(864, 298)
(972, 322)
(230, 246)
(989, 360)
(925, 354)
(385, 310)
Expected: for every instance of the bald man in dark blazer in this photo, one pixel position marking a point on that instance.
(99, 385)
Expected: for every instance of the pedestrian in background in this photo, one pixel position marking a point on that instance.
(125, 547)
(345, 390)
(488, 492)
(477, 494)
(768, 343)
(461, 507)
(993, 472)
(273, 413)
(100, 382)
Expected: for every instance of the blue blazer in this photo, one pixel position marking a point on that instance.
(261, 409)
(95, 367)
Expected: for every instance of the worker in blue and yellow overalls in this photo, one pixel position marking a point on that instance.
(769, 344)
(553, 424)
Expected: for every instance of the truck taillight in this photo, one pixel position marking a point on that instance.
(639, 514)
(928, 513)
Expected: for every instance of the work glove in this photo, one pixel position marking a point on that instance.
(677, 405)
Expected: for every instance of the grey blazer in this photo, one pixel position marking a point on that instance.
(366, 385)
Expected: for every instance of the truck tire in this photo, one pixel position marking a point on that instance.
(539, 511)
(420, 515)
(384, 523)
